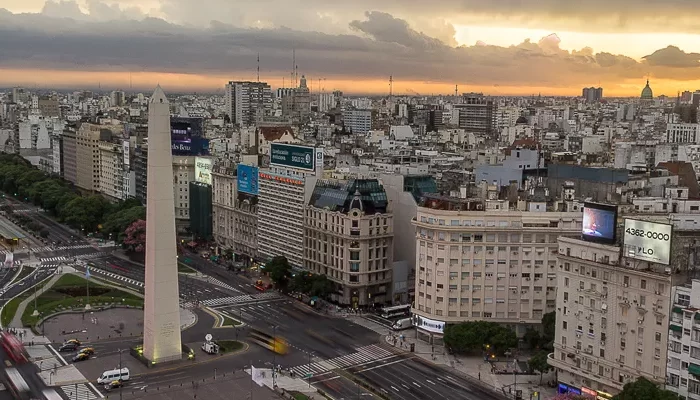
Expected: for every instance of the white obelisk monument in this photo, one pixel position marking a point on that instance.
(161, 326)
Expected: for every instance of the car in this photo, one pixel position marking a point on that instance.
(75, 341)
(68, 347)
(81, 357)
(87, 350)
(114, 385)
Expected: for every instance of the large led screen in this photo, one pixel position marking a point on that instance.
(599, 223)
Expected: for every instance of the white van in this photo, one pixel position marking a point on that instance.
(114, 375)
(402, 324)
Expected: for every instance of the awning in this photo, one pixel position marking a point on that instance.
(678, 310)
(676, 328)
(694, 369)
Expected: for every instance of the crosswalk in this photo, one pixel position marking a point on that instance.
(89, 256)
(41, 249)
(222, 284)
(79, 391)
(224, 301)
(363, 355)
(112, 275)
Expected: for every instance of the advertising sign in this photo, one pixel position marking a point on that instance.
(599, 223)
(319, 157)
(293, 156)
(647, 241)
(248, 179)
(430, 325)
(202, 170)
(127, 147)
(195, 146)
(187, 137)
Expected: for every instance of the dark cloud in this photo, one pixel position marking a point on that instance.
(672, 56)
(374, 47)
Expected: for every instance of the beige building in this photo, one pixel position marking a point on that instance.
(483, 260)
(111, 170)
(223, 194)
(612, 318)
(348, 234)
(87, 150)
(69, 154)
(183, 174)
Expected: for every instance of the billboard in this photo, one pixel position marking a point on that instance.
(430, 325)
(293, 156)
(248, 179)
(187, 137)
(202, 170)
(647, 241)
(599, 223)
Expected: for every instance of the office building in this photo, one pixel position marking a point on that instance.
(478, 114)
(87, 150)
(592, 94)
(358, 122)
(683, 133)
(70, 167)
(349, 238)
(612, 318)
(200, 209)
(223, 194)
(485, 260)
(111, 167)
(247, 102)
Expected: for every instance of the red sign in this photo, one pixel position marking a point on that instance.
(589, 392)
(281, 179)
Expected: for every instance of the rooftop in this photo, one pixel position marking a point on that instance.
(367, 195)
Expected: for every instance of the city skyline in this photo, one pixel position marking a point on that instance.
(427, 50)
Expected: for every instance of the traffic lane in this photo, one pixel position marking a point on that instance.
(6, 275)
(340, 387)
(414, 379)
(34, 278)
(120, 267)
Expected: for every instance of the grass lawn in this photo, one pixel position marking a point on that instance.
(299, 396)
(228, 321)
(228, 346)
(70, 291)
(185, 269)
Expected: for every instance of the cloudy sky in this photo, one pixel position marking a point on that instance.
(497, 46)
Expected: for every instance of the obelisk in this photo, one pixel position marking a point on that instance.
(161, 311)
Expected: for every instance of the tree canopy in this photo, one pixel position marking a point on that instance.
(472, 336)
(644, 389)
(311, 284)
(538, 362)
(93, 213)
(279, 270)
(135, 236)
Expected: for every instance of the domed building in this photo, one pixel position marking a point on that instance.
(647, 94)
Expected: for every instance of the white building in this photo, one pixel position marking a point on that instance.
(111, 165)
(358, 121)
(246, 102)
(683, 371)
(612, 318)
(683, 133)
(489, 263)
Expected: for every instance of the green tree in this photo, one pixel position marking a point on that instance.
(549, 325)
(300, 282)
(279, 270)
(321, 286)
(533, 338)
(473, 336)
(644, 389)
(116, 223)
(538, 362)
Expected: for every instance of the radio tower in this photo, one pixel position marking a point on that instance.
(258, 67)
(391, 85)
(456, 91)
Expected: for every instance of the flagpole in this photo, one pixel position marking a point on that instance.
(87, 286)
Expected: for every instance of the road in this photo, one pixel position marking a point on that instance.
(28, 372)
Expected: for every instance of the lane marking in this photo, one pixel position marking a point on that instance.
(430, 382)
(395, 388)
(381, 366)
(416, 384)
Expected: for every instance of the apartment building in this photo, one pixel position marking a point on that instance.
(223, 193)
(68, 156)
(683, 368)
(87, 150)
(485, 260)
(612, 319)
(246, 102)
(111, 182)
(245, 214)
(358, 122)
(348, 236)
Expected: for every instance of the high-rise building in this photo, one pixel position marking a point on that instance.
(358, 122)
(111, 167)
(297, 103)
(612, 318)
(70, 166)
(478, 114)
(87, 149)
(201, 209)
(592, 94)
(484, 260)
(247, 102)
(349, 238)
(223, 178)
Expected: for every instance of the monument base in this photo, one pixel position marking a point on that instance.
(186, 355)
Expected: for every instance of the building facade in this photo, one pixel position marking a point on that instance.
(223, 194)
(486, 261)
(358, 121)
(612, 318)
(683, 368)
(348, 236)
(87, 149)
(246, 102)
(478, 114)
(111, 183)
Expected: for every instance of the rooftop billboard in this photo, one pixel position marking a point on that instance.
(599, 223)
(647, 241)
(202, 170)
(187, 137)
(293, 156)
(248, 179)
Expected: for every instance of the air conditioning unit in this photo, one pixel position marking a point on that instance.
(578, 335)
(625, 285)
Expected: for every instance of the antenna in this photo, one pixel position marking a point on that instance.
(391, 85)
(456, 90)
(258, 67)
(296, 76)
(294, 64)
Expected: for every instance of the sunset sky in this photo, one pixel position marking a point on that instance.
(499, 47)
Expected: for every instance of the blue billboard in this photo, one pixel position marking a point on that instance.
(248, 179)
(187, 136)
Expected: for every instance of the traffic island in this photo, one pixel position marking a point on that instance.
(193, 354)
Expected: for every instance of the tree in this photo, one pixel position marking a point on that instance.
(533, 338)
(116, 223)
(644, 389)
(321, 286)
(549, 325)
(279, 271)
(538, 363)
(473, 336)
(135, 236)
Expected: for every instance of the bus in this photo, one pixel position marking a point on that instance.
(13, 347)
(17, 385)
(396, 311)
(273, 343)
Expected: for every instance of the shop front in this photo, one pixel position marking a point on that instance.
(584, 391)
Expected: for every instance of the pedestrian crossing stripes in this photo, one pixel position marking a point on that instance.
(363, 355)
(41, 249)
(222, 301)
(117, 277)
(222, 284)
(79, 391)
(89, 256)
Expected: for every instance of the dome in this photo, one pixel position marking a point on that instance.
(521, 120)
(647, 93)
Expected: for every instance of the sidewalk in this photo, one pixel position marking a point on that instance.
(475, 367)
(287, 383)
